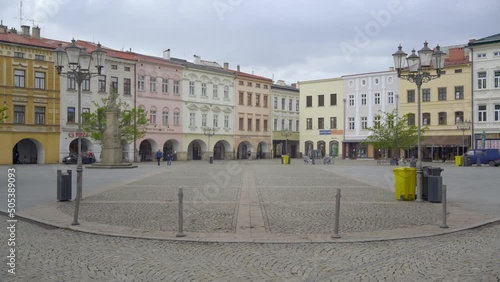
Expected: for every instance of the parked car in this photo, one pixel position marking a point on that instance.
(486, 156)
(497, 162)
(72, 159)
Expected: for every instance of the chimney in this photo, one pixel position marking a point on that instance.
(238, 68)
(36, 32)
(196, 59)
(281, 82)
(294, 85)
(3, 28)
(166, 54)
(226, 66)
(13, 30)
(25, 30)
(391, 68)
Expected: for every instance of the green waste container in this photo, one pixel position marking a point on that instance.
(405, 180)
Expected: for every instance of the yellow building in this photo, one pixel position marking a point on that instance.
(321, 116)
(444, 102)
(29, 87)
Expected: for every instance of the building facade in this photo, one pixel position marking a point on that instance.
(321, 117)
(366, 97)
(286, 119)
(445, 102)
(485, 56)
(29, 88)
(252, 114)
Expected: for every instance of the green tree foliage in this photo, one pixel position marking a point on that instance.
(393, 132)
(95, 122)
(3, 114)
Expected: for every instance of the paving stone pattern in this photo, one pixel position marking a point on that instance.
(47, 254)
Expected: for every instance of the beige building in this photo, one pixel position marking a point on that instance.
(444, 102)
(321, 116)
(286, 119)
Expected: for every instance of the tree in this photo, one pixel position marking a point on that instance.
(3, 114)
(393, 132)
(95, 123)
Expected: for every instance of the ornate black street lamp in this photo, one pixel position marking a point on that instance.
(209, 131)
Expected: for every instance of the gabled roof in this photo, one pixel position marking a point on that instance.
(109, 52)
(24, 40)
(486, 40)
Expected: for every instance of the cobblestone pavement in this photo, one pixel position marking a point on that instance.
(49, 254)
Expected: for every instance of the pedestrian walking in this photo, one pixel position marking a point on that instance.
(169, 158)
(159, 154)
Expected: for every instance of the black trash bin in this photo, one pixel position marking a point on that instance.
(435, 185)
(63, 185)
(435, 171)
(425, 185)
(467, 161)
(211, 159)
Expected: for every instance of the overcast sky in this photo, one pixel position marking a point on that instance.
(294, 40)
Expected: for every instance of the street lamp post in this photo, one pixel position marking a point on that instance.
(463, 125)
(209, 131)
(286, 132)
(418, 73)
(78, 62)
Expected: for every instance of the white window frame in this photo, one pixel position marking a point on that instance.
(351, 123)
(203, 90)
(215, 121)
(204, 120)
(176, 118)
(364, 122)
(164, 86)
(165, 115)
(351, 100)
(390, 97)
(191, 88)
(482, 113)
(481, 80)
(363, 99)
(192, 119)
(376, 99)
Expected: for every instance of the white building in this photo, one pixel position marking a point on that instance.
(285, 118)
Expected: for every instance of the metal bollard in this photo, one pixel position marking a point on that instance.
(180, 232)
(337, 215)
(443, 225)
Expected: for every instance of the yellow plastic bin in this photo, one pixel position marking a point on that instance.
(284, 159)
(405, 180)
(458, 161)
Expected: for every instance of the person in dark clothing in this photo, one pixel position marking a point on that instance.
(159, 154)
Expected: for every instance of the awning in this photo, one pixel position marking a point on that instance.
(446, 140)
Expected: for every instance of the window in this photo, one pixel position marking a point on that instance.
(18, 55)
(257, 123)
(140, 82)
(39, 80)
(364, 122)
(257, 85)
(290, 102)
(192, 121)
(204, 90)
(442, 93)
(426, 95)
(101, 83)
(165, 117)
(226, 121)
(241, 123)
(176, 87)
(333, 122)
(282, 123)
(321, 100)
(411, 96)
(497, 79)
(70, 115)
(257, 100)
(297, 105)
(321, 123)
(127, 86)
(39, 115)
(377, 99)
(390, 97)
(481, 113)
(283, 101)
(426, 119)
(442, 118)
(164, 85)
(19, 114)
(241, 82)
(215, 121)
(203, 120)
(297, 125)
(265, 101)
(241, 98)
(411, 119)
(126, 68)
(309, 101)
(496, 54)
(226, 92)
(363, 99)
(176, 117)
(191, 88)
(309, 123)
(376, 122)
(333, 99)
(497, 112)
(481, 80)
(152, 84)
(85, 111)
(459, 117)
(114, 67)
(459, 92)
(290, 124)
(351, 123)
(152, 115)
(458, 71)
(215, 90)
(275, 103)
(481, 55)
(265, 86)
(249, 83)
(351, 100)
(249, 99)
(249, 124)
(86, 84)
(40, 57)
(71, 83)
(114, 84)
(265, 121)
(19, 78)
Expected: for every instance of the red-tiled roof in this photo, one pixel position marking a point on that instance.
(153, 59)
(23, 40)
(109, 52)
(244, 74)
